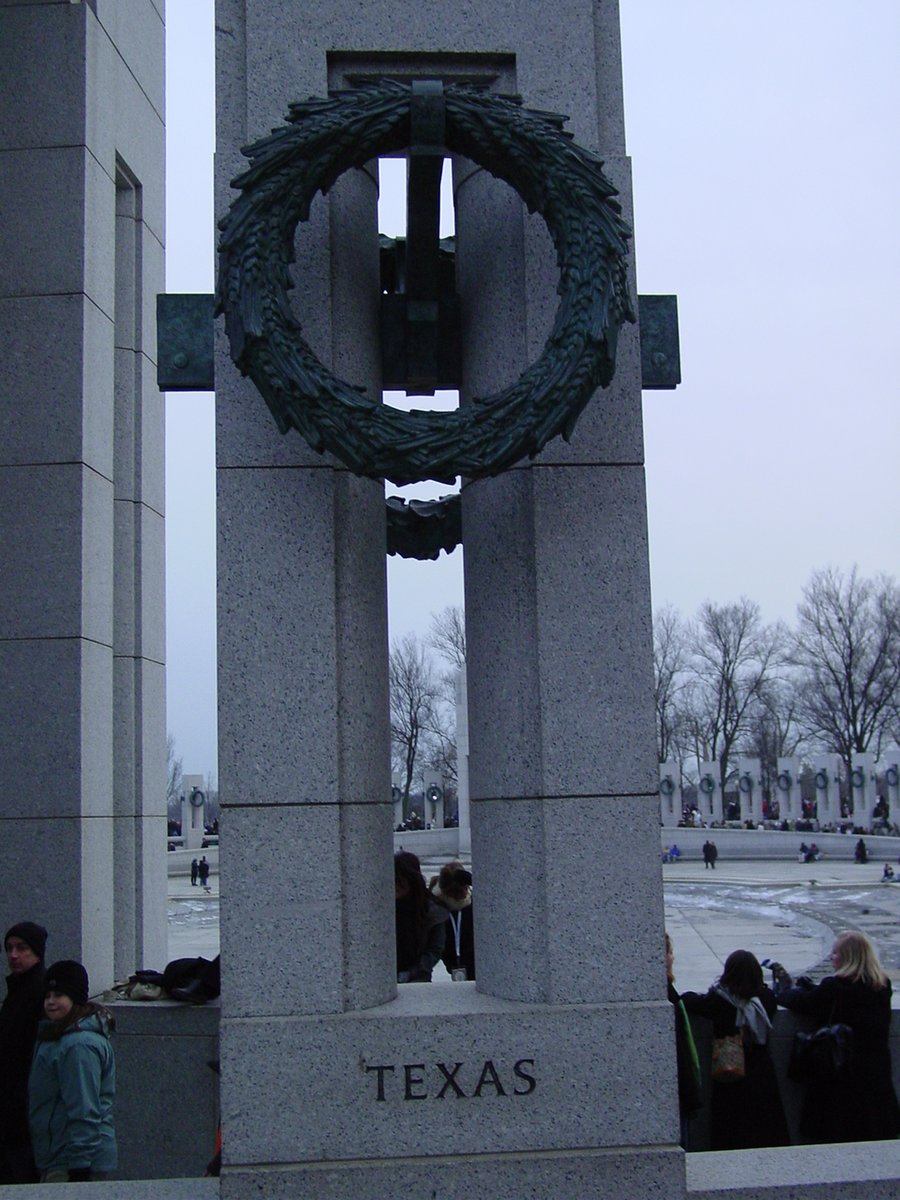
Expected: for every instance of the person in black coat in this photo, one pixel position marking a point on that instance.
(863, 1107)
(20, 1013)
(420, 923)
(686, 1061)
(744, 1113)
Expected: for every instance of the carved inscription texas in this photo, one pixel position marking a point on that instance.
(438, 1081)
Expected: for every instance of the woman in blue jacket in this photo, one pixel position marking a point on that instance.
(72, 1082)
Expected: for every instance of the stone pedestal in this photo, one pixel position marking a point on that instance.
(670, 801)
(193, 811)
(709, 793)
(750, 789)
(554, 1073)
(787, 789)
(827, 768)
(863, 788)
(82, 637)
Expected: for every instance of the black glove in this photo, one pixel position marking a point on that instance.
(804, 981)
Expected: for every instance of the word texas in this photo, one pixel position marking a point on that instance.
(418, 1081)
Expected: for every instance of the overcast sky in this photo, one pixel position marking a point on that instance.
(766, 161)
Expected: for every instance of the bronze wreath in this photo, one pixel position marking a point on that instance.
(554, 176)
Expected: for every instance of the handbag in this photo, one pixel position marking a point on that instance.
(728, 1065)
(825, 1056)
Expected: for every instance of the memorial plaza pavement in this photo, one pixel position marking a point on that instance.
(782, 910)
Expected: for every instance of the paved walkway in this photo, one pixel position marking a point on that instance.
(782, 910)
(786, 911)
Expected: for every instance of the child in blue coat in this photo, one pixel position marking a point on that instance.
(72, 1082)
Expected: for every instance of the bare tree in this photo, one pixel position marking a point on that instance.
(772, 728)
(173, 771)
(423, 716)
(847, 647)
(447, 635)
(414, 697)
(733, 656)
(670, 659)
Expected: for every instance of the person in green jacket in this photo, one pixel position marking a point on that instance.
(72, 1082)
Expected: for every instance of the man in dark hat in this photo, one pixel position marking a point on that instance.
(19, 1015)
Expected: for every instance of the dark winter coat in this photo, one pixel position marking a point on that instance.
(22, 1010)
(864, 1107)
(460, 915)
(689, 1096)
(745, 1113)
(420, 940)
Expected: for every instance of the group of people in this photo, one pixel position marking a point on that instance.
(200, 871)
(57, 1069)
(433, 920)
(746, 1110)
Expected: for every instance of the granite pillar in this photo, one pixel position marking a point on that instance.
(557, 1066)
(82, 717)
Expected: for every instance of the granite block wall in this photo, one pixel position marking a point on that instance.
(81, 477)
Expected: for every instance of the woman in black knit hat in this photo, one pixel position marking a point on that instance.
(73, 1082)
(22, 1009)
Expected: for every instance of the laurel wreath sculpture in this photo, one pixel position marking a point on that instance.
(555, 177)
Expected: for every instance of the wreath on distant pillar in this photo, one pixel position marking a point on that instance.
(555, 177)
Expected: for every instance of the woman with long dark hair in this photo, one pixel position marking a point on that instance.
(745, 1111)
(419, 922)
(72, 1082)
(862, 1107)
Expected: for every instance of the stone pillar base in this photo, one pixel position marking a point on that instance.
(502, 1098)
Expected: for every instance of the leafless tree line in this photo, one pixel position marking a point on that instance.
(423, 700)
(726, 683)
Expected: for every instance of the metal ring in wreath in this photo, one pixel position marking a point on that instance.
(555, 177)
(857, 777)
(667, 785)
(892, 776)
(785, 783)
(707, 785)
(821, 780)
(745, 784)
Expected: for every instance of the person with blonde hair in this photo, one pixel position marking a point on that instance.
(862, 1107)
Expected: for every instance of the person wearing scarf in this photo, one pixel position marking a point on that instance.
(744, 1113)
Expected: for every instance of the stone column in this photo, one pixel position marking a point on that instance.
(555, 1071)
(462, 762)
(709, 791)
(828, 788)
(670, 793)
(863, 788)
(787, 786)
(82, 717)
(750, 789)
